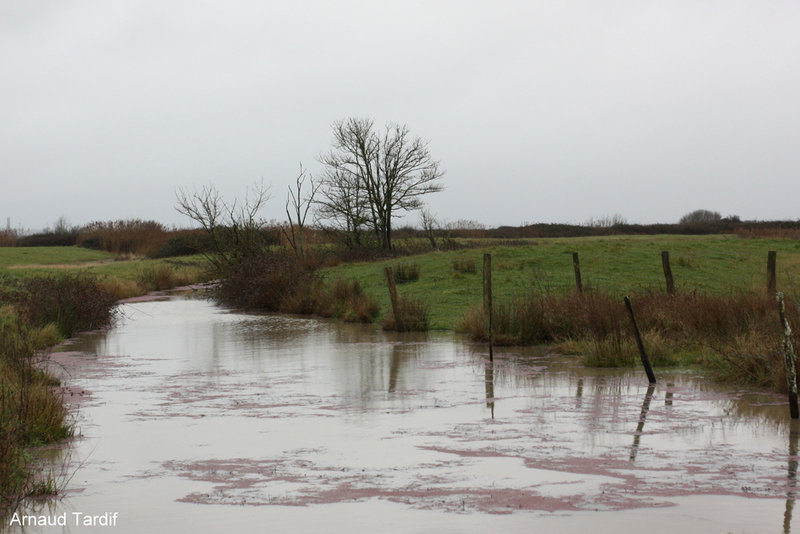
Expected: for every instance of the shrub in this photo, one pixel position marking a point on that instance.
(406, 272)
(267, 281)
(124, 237)
(73, 302)
(66, 238)
(9, 237)
(184, 243)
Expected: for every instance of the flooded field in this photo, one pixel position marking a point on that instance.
(192, 418)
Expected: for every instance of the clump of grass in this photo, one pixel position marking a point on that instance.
(120, 288)
(411, 315)
(157, 278)
(349, 302)
(168, 276)
(464, 266)
(406, 272)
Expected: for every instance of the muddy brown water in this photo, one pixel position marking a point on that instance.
(192, 418)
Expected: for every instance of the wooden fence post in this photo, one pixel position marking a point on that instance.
(393, 297)
(639, 343)
(576, 266)
(487, 300)
(788, 354)
(771, 278)
(667, 272)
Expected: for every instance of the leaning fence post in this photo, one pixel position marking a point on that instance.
(639, 343)
(788, 353)
(667, 272)
(487, 300)
(576, 266)
(771, 278)
(393, 297)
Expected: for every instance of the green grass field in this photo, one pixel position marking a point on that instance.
(124, 277)
(25, 256)
(617, 265)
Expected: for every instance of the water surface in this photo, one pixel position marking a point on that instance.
(192, 418)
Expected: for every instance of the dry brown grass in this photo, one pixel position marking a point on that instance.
(136, 237)
(738, 337)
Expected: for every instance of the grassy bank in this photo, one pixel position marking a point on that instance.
(37, 312)
(618, 265)
(721, 318)
(123, 276)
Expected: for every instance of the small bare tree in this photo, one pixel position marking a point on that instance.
(343, 207)
(235, 228)
(297, 208)
(377, 175)
(429, 226)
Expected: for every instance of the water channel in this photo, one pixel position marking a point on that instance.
(193, 418)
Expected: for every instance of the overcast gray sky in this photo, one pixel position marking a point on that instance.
(539, 111)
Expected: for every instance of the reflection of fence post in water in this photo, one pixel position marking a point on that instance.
(487, 300)
(393, 297)
(639, 343)
(788, 353)
(642, 418)
(394, 368)
(669, 395)
(576, 266)
(489, 380)
(791, 494)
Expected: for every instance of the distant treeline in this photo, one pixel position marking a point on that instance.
(150, 238)
(784, 229)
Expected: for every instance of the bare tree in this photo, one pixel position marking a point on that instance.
(701, 217)
(429, 226)
(297, 211)
(343, 206)
(376, 175)
(234, 228)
